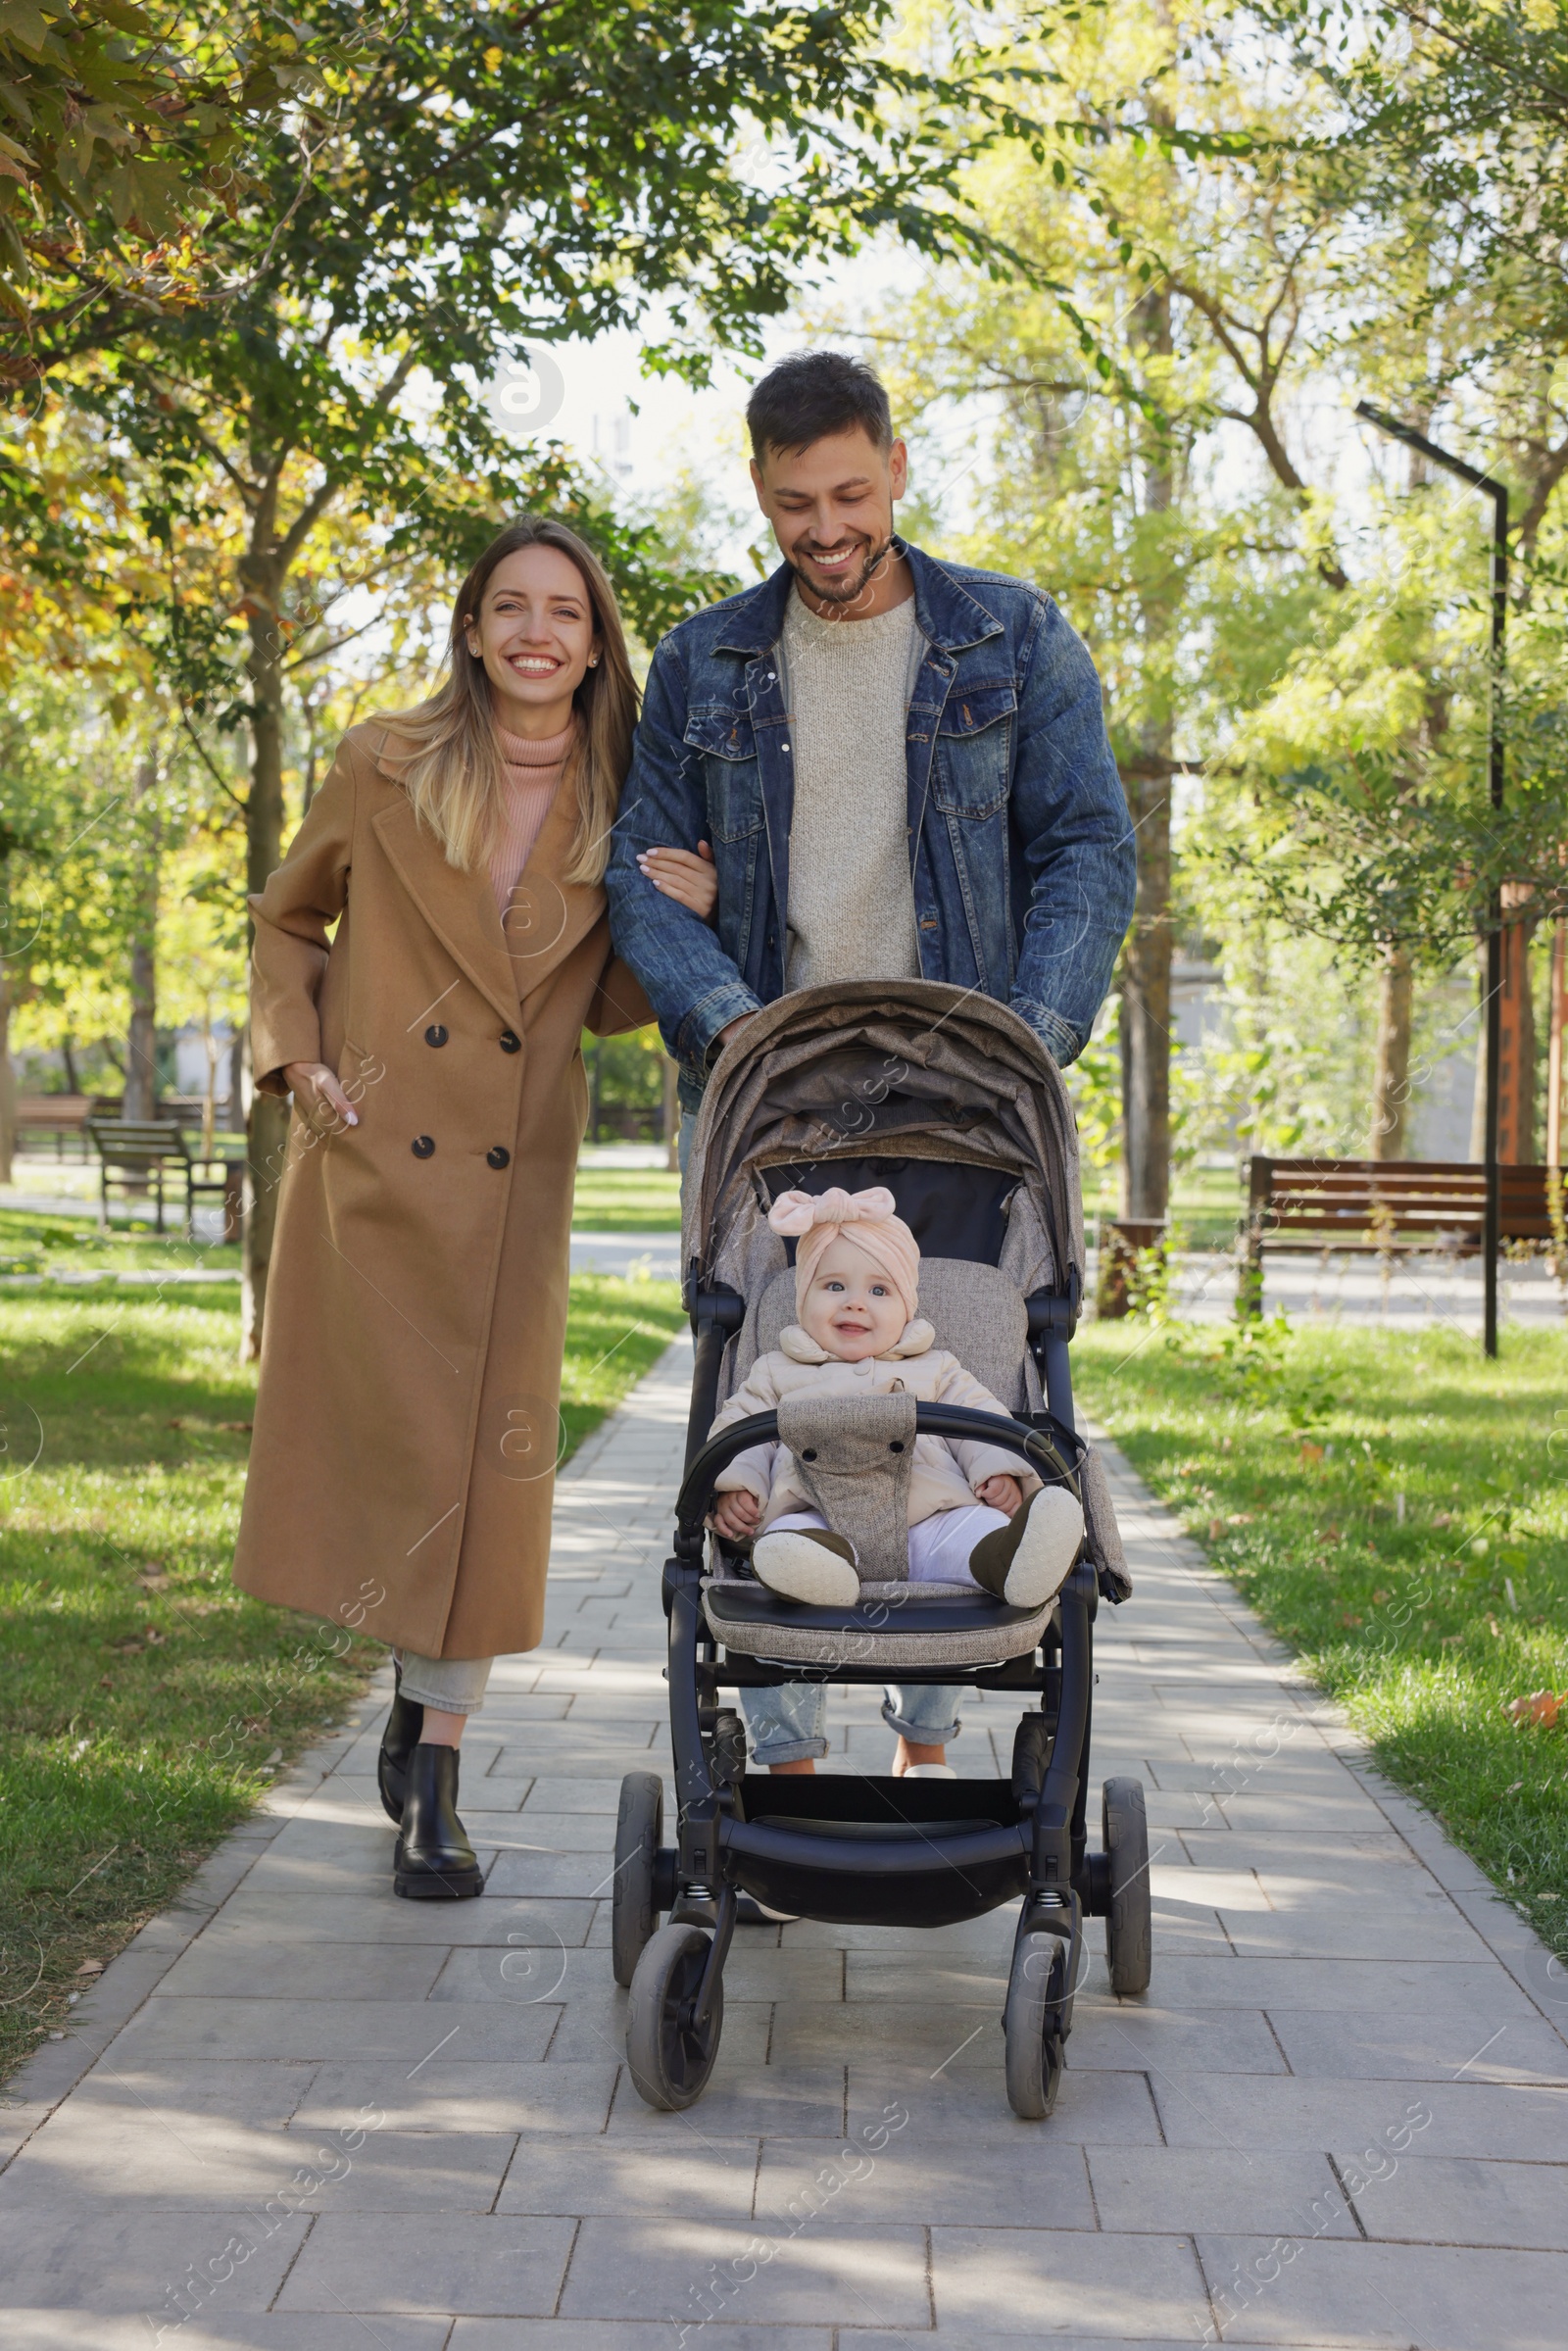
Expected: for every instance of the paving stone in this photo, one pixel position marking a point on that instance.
(1425, 2119)
(262, 2092)
(499, 2264)
(631, 2334)
(212, 2329)
(86, 2257)
(295, 1919)
(461, 2094)
(1475, 1987)
(752, 2101)
(225, 1963)
(1421, 2046)
(1187, 2189)
(1371, 2296)
(1459, 2201)
(704, 2175)
(1096, 2108)
(1045, 2282)
(204, 2162)
(763, 2272)
(408, 2029)
(1009, 2180)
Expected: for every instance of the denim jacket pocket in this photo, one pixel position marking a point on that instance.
(973, 766)
(726, 741)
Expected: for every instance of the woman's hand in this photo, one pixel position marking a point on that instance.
(735, 1516)
(689, 880)
(315, 1087)
(1001, 1493)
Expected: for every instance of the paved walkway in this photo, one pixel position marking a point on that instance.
(300, 2114)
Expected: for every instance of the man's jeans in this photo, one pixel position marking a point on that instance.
(785, 1724)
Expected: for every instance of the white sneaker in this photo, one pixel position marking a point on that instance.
(809, 1566)
(1047, 1547)
(929, 1771)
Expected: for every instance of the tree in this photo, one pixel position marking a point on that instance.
(496, 173)
(129, 125)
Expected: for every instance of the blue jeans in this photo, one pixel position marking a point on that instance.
(785, 1724)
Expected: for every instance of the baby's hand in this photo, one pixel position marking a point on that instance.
(1001, 1493)
(689, 880)
(735, 1515)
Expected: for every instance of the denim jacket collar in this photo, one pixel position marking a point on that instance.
(946, 616)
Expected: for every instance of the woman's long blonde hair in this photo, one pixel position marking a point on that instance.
(453, 777)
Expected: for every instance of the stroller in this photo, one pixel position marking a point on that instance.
(948, 1100)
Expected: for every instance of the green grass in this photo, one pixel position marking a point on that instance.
(1286, 1455)
(626, 1200)
(144, 1702)
(34, 1244)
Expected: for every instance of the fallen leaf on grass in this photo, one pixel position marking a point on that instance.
(1310, 1453)
(92, 1967)
(153, 1578)
(237, 1428)
(1514, 1790)
(1451, 1641)
(1541, 1707)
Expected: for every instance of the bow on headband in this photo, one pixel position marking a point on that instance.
(870, 1219)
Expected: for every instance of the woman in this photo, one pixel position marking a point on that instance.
(406, 1424)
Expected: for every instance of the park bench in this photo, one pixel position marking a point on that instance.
(133, 1155)
(1383, 1206)
(64, 1117)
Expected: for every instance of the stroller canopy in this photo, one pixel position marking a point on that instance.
(942, 1080)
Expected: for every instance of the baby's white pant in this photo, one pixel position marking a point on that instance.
(939, 1545)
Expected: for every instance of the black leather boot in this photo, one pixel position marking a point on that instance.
(434, 1861)
(404, 1727)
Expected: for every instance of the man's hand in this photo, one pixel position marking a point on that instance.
(735, 1515)
(732, 1029)
(315, 1087)
(1002, 1493)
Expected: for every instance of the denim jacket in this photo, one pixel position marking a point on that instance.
(1021, 853)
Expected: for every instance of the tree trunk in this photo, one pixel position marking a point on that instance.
(7, 1082)
(1516, 1064)
(1144, 1025)
(141, 1037)
(1391, 1084)
(262, 576)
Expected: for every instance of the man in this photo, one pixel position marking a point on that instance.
(902, 768)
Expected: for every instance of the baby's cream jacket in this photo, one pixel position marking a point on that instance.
(942, 1475)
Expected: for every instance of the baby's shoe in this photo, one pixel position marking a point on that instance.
(1027, 1561)
(808, 1563)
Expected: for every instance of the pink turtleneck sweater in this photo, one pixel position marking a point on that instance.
(532, 774)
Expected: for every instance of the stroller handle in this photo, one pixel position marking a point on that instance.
(1056, 1455)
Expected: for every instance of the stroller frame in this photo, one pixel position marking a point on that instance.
(853, 1847)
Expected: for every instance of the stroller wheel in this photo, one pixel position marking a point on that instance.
(670, 2055)
(639, 1826)
(1128, 1927)
(1032, 2023)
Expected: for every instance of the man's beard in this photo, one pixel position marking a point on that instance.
(848, 590)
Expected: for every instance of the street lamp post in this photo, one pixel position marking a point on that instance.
(1498, 493)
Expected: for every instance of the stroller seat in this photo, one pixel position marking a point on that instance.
(978, 1317)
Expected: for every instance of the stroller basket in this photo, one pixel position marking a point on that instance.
(951, 1101)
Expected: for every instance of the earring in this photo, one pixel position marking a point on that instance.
(593, 661)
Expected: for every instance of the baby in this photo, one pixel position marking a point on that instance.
(976, 1514)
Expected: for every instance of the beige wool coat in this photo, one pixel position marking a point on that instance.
(406, 1429)
(942, 1476)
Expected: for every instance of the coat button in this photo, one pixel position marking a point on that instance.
(437, 1035)
(511, 1042)
(422, 1146)
(499, 1155)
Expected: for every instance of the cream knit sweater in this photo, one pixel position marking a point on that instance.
(851, 900)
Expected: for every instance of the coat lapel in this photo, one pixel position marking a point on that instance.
(547, 920)
(459, 907)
